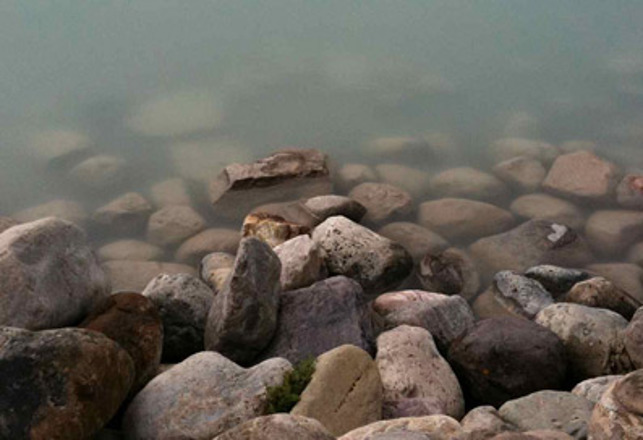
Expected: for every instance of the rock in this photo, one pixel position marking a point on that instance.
(463, 220)
(377, 263)
(126, 214)
(611, 233)
(530, 244)
(400, 147)
(507, 148)
(99, 173)
(521, 296)
(592, 389)
(172, 225)
(619, 414)
(270, 228)
(445, 317)
(557, 280)
(49, 277)
(318, 318)
(468, 183)
(293, 212)
(546, 207)
(60, 384)
(215, 269)
(602, 293)
(436, 427)
(58, 149)
(285, 175)
(345, 391)
(633, 339)
(202, 160)
(202, 397)
(629, 192)
(628, 277)
(6, 223)
(301, 262)
(324, 207)
(539, 434)
(635, 254)
(65, 209)
(582, 176)
(206, 242)
(521, 173)
(412, 180)
(505, 358)
(134, 275)
(131, 320)
(352, 174)
(383, 202)
(183, 303)
(591, 337)
(170, 192)
(129, 250)
(577, 145)
(483, 422)
(451, 272)
(243, 315)
(417, 240)
(554, 410)
(411, 368)
(278, 426)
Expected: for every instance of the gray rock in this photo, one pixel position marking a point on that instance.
(215, 269)
(592, 389)
(99, 173)
(278, 426)
(633, 339)
(206, 242)
(126, 214)
(520, 295)
(49, 277)
(546, 207)
(324, 207)
(611, 233)
(557, 280)
(602, 293)
(201, 397)
(629, 192)
(417, 240)
(65, 209)
(243, 315)
(451, 272)
(134, 275)
(174, 224)
(301, 262)
(468, 183)
(383, 202)
(436, 427)
(129, 250)
(483, 422)
(183, 302)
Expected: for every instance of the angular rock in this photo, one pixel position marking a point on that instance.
(468, 183)
(206, 242)
(592, 389)
(126, 214)
(483, 422)
(345, 391)
(301, 262)
(134, 275)
(629, 192)
(417, 240)
(278, 426)
(324, 207)
(215, 269)
(65, 209)
(546, 207)
(521, 173)
(627, 277)
(202, 397)
(174, 224)
(601, 293)
(170, 192)
(183, 303)
(383, 202)
(611, 233)
(270, 228)
(435, 427)
(451, 272)
(557, 280)
(412, 180)
(129, 250)
(99, 173)
(520, 295)
(352, 174)
(49, 277)
(633, 339)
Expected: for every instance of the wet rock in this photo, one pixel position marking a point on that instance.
(215, 269)
(345, 391)
(520, 295)
(412, 368)
(133, 321)
(63, 383)
(417, 240)
(318, 318)
(293, 212)
(278, 426)
(6, 223)
(557, 280)
(412, 180)
(202, 397)
(592, 340)
(170, 192)
(352, 174)
(633, 339)
(602, 293)
(183, 302)
(546, 207)
(445, 317)
(270, 228)
(65, 209)
(619, 413)
(206, 242)
(552, 410)
(377, 263)
(468, 183)
(521, 173)
(507, 148)
(592, 389)
(172, 225)
(285, 175)
(49, 277)
(582, 176)
(301, 262)
(627, 277)
(324, 207)
(126, 214)
(505, 358)
(59, 149)
(134, 275)
(99, 173)
(629, 192)
(483, 422)
(435, 427)
(130, 250)
(243, 315)
(383, 202)
(611, 233)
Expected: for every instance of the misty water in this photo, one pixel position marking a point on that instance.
(181, 88)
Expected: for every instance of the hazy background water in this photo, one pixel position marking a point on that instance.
(325, 74)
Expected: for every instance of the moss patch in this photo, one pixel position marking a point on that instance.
(281, 399)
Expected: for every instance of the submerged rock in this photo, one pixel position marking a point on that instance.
(126, 214)
(412, 180)
(522, 173)
(211, 240)
(611, 233)
(352, 174)
(99, 173)
(6, 223)
(383, 202)
(629, 192)
(331, 205)
(215, 269)
(451, 272)
(468, 183)
(65, 209)
(134, 275)
(174, 224)
(170, 192)
(58, 149)
(546, 207)
(129, 250)
(417, 240)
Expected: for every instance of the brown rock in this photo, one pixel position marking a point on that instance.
(126, 214)
(134, 275)
(6, 223)
(352, 174)
(415, 181)
(417, 240)
(173, 224)
(278, 426)
(130, 250)
(627, 277)
(633, 339)
(468, 183)
(451, 272)
(635, 254)
(602, 293)
(629, 192)
(522, 173)
(170, 192)
(206, 242)
(546, 207)
(383, 202)
(270, 228)
(611, 233)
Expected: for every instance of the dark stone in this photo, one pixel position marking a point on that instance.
(557, 280)
(451, 272)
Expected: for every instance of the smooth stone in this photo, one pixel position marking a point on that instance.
(243, 315)
(520, 295)
(134, 275)
(174, 224)
(417, 240)
(464, 220)
(633, 339)
(505, 358)
(484, 422)
(353, 174)
(628, 277)
(183, 303)
(345, 391)
(129, 250)
(200, 161)
(278, 426)
(437, 427)
(60, 384)
(611, 233)
(411, 367)
(202, 397)
(592, 389)
(592, 340)
(521, 173)
(99, 173)
(301, 262)
(383, 202)
(634, 256)
(629, 193)
(59, 148)
(133, 321)
(49, 276)
(170, 192)
(468, 183)
(601, 293)
(65, 209)
(271, 228)
(6, 223)
(546, 207)
(557, 280)
(451, 272)
(211, 240)
(376, 262)
(331, 205)
(508, 148)
(126, 214)
(215, 269)
(412, 180)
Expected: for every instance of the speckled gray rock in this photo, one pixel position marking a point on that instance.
(468, 183)
(591, 337)
(278, 426)
(323, 207)
(183, 302)
(483, 422)
(243, 315)
(633, 338)
(546, 207)
(602, 293)
(416, 239)
(134, 275)
(201, 397)
(174, 224)
(412, 368)
(521, 173)
(215, 269)
(520, 295)
(65, 209)
(629, 192)
(126, 214)
(129, 250)
(49, 277)
(206, 242)
(383, 202)
(557, 280)
(377, 263)
(436, 427)
(301, 262)
(592, 389)
(611, 233)
(451, 272)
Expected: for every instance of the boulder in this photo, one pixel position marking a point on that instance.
(99, 173)
(521, 173)
(412, 180)
(417, 240)
(134, 275)
(468, 183)
(170, 192)
(65, 209)
(629, 193)
(129, 250)
(126, 214)
(611, 233)
(278, 426)
(451, 272)
(352, 174)
(627, 277)
(546, 207)
(601, 293)
(271, 228)
(383, 202)
(301, 262)
(592, 389)
(435, 427)
(206, 242)
(557, 280)
(174, 224)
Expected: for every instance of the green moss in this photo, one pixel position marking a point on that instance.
(281, 399)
